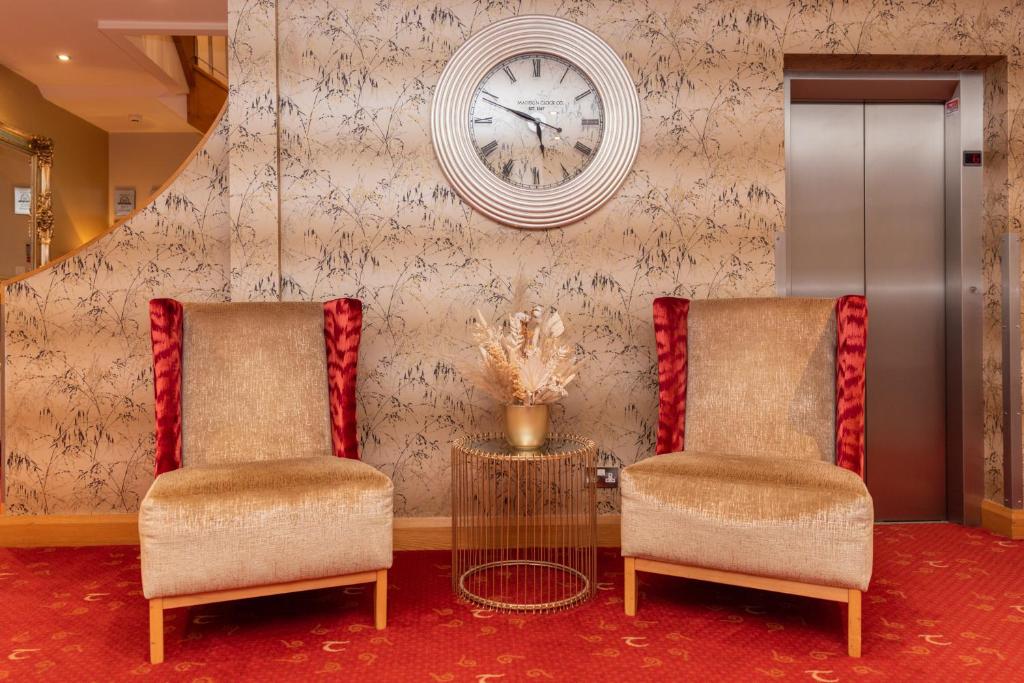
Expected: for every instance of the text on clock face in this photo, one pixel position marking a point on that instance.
(536, 121)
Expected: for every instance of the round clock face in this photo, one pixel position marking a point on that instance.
(536, 121)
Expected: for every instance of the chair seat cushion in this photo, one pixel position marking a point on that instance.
(214, 527)
(795, 519)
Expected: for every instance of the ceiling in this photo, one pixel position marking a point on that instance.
(108, 80)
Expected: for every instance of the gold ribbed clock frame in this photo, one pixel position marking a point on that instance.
(524, 523)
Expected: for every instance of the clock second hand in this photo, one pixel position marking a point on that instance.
(524, 115)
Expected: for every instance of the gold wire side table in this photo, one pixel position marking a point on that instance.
(524, 523)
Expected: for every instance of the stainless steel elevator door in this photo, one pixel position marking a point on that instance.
(866, 215)
(825, 195)
(904, 243)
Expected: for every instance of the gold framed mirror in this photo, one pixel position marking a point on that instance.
(26, 226)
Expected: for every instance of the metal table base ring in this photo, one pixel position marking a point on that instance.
(579, 596)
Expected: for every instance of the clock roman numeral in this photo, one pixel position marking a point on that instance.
(486, 119)
(583, 94)
(507, 168)
(489, 147)
(536, 176)
(565, 171)
(511, 76)
(583, 149)
(536, 68)
(564, 74)
(491, 95)
(588, 122)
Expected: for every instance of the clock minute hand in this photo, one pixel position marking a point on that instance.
(523, 115)
(520, 114)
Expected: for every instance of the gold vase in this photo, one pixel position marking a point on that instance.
(526, 427)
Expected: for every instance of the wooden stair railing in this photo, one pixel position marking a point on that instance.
(206, 94)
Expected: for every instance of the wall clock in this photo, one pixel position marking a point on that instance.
(535, 121)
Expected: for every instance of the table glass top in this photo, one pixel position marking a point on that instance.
(496, 445)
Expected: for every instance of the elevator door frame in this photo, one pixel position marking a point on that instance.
(963, 276)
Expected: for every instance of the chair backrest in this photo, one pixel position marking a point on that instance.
(254, 381)
(760, 377)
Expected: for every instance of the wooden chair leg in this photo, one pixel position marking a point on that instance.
(156, 630)
(380, 608)
(853, 624)
(630, 587)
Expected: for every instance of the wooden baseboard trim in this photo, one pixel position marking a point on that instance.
(1002, 520)
(411, 533)
(30, 531)
(33, 531)
(422, 533)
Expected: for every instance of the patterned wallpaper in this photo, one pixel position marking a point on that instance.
(79, 389)
(365, 211)
(996, 217)
(253, 187)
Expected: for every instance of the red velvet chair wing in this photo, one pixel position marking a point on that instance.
(343, 326)
(166, 319)
(851, 357)
(670, 337)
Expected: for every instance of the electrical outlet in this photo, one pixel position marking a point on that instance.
(607, 477)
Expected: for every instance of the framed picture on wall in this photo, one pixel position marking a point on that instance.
(23, 201)
(124, 200)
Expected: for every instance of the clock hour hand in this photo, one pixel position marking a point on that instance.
(536, 124)
(523, 115)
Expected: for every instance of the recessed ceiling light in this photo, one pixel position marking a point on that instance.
(63, 57)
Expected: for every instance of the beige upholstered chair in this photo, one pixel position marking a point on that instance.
(259, 488)
(761, 450)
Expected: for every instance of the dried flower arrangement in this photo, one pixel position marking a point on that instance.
(524, 360)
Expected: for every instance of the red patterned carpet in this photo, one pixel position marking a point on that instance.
(946, 604)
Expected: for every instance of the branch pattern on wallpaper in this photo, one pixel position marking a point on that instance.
(365, 212)
(252, 152)
(79, 403)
